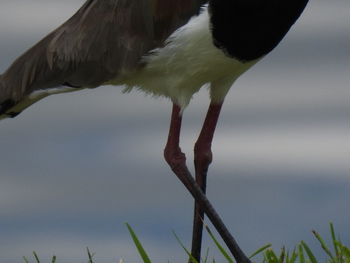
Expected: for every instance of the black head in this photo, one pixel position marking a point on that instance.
(249, 29)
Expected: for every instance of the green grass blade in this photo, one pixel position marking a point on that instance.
(138, 245)
(301, 254)
(274, 256)
(271, 256)
(25, 260)
(287, 257)
(267, 257)
(206, 257)
(335, 241)
(90, 255)
(53, 260)
(259, 250)
(309, 252)
(192, 259)
(36, 257)
(282, 256)
(294, 256)
(222, 250)
(345, 252)
(323, 245)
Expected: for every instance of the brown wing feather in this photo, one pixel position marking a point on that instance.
(103, 38)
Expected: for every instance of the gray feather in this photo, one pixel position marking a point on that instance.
(102, 39)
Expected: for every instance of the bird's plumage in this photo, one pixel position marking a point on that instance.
(187, 62)
(101, 40)
(163, 47)
(250, 29)
(150, 44)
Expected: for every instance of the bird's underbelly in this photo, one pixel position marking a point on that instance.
(180, 82)
(187, 62)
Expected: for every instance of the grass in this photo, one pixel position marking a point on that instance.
(337, 252)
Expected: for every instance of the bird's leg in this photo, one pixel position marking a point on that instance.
(202, 159)
(177, 161)
(172, 152)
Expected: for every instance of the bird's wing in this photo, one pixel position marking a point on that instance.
(168, 15)
(102, 39)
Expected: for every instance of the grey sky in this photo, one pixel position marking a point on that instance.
(75, 167)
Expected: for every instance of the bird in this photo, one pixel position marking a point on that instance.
(166, 48)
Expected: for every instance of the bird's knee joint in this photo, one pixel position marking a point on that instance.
(203, 155)
(174, 157)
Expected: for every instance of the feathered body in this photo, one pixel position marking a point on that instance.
(188, 61)
(166, 48)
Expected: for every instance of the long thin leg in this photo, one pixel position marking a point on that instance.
(177, 161)
(202, 159)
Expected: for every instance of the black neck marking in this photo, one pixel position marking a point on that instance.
(249, 29)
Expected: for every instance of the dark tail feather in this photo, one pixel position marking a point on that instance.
(9, 108)
(5, 106)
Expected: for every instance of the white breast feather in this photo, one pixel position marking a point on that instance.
(188, 61)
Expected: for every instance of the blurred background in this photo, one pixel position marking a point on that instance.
(75, 167)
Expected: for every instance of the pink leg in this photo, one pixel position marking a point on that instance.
(177, 161)
(202, 159)
(172, 152)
